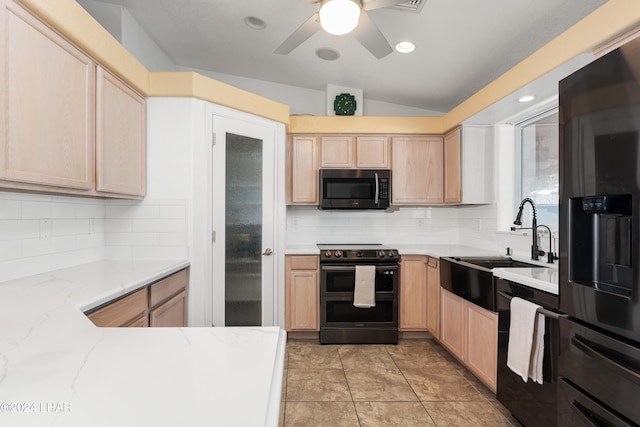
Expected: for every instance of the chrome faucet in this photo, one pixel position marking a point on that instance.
(535, 251)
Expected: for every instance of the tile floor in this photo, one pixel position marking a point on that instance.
(414, 383)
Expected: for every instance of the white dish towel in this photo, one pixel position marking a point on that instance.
(364, 292)
(525, 350)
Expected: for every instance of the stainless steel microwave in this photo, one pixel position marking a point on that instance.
(355, 188)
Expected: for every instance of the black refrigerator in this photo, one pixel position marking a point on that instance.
(599, 269)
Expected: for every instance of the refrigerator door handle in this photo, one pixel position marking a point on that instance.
(592, 350)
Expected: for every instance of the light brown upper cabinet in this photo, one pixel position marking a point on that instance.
(452, 176)
(336, 152)
(302, 170)
(468, 165)
(417, 167)
(372, 152)
(48, 106)
(120, 137)
(53, 95)
(364, 152)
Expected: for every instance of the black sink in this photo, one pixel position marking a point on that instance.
(495, 262)
(472, 278)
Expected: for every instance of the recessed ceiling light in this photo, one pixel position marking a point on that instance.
(526, 98)
(255, 23)
(405, 47)
(327, 54)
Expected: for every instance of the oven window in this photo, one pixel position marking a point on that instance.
(343, 279)
(344, 188)
(345, 312)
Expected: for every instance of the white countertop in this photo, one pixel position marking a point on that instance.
(544, 278)
(58, 369)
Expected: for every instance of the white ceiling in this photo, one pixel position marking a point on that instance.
(462, 45)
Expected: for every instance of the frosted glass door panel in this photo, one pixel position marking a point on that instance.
(243, 263)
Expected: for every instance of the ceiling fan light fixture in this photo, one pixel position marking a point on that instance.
(339, 17)
(405, 47)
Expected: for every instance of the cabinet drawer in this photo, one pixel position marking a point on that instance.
(168, 287)
(122, 312)
(303, 262)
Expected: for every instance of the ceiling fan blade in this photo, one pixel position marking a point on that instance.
(370, 36)
(304, 31)
(379, 4)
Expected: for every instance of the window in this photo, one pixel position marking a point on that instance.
(537, 173)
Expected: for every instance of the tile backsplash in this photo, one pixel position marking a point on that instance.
(40, 233)
(149, 229)
(475, 226)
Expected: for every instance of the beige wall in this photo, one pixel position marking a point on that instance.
(611, 19)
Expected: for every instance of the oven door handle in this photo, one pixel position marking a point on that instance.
(543, 311)
(593, 350)
(353, 267)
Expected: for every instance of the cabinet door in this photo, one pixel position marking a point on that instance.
(48, 105)
(336, 152)
(372, 152)
(167, 287)
(433, 297)
(452, 323)
(121, 312)
(413, 293)
(172, 313)
(452, 162)
(302, 179)
(481, 355)
(302, 294)
(417, 170)
(120, 138)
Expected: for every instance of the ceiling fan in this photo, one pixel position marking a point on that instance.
(341, 17)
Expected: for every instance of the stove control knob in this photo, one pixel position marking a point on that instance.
(327, 254)
(381, 254)
(390, 254)
(359, 254)
(337, 254)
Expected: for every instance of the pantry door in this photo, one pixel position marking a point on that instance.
(243, 265)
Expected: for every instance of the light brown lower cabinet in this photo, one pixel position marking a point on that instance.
(452, 323)
(122, 312)
(433, 296)
(413, 293)
(160, 304)
(470, 333)
(171, 313)
(302, 293)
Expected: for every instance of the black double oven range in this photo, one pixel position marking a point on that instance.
(340, 321)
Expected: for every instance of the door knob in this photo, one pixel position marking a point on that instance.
(267, 251)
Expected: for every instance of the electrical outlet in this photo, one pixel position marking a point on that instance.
(45, 229)
(420, 222)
